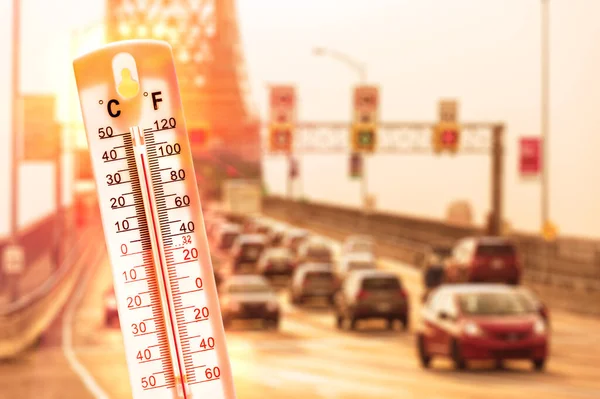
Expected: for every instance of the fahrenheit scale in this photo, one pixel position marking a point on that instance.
(162, 273)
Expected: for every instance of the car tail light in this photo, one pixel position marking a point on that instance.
(269, 266)
(362, 295)
(402, 293)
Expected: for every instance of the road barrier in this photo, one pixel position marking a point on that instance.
(569, 263)
(24, 320)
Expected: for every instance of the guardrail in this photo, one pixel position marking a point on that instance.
(408, 239)
(23, 321)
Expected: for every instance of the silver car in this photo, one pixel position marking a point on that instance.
(248, 297)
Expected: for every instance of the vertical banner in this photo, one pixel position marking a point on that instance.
(530, 156)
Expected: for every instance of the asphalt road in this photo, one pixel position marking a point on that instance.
(306, 358)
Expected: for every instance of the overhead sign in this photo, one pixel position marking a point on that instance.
(13, 259)
(41, 131)
(448, 111)
(530, 154)
(283, 105)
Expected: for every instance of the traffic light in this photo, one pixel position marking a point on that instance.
(198, 137)
(356, 165)
(446, 137)
(280, 138)
(364, 137)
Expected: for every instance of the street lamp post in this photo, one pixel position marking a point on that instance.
(545, 103)
(545, 93)
(361, 70)
(14, 144)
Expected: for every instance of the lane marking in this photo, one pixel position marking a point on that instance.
(67, 337)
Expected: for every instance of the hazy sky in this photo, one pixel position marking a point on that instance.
(484, 52)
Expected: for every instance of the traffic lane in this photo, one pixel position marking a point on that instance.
(574, 337)
(99, 347)
(379, 351)
(43, 371)
(308, 357)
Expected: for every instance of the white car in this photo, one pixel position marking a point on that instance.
(246, 252)
(358, 244)
(355, 261)
(227, 234)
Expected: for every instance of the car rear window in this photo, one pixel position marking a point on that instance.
(488, 304)
(319, 252)
(249, 288)
(252, 251)
(496, 250)
(379, 283)
(319, 275)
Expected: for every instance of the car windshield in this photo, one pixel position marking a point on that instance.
(496, 303)
(381, 284)
(249, 288)
(495, 250)
(360, 266)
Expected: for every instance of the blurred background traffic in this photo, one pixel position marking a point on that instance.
(399, 196)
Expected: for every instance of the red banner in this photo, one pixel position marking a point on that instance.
(530, 156)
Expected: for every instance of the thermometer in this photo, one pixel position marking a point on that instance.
(162, 273)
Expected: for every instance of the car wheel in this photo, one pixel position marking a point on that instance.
(332, 300)
(499, 364)
(457, 359)
(353, 323)
(404, 321)
(539, 364)
(424, 358)
(390, 324)
(339, 321)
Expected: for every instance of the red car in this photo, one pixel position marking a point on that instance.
(482, 322)
(484, 259)
(111, 314)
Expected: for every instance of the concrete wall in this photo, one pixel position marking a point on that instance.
(569, 262)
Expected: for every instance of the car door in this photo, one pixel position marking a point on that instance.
(431, 329)
(447, 326)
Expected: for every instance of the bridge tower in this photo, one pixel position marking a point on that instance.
(211, 70)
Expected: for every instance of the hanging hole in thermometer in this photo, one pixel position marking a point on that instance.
(162, 273)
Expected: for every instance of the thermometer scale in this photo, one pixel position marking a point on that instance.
(162, 273)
